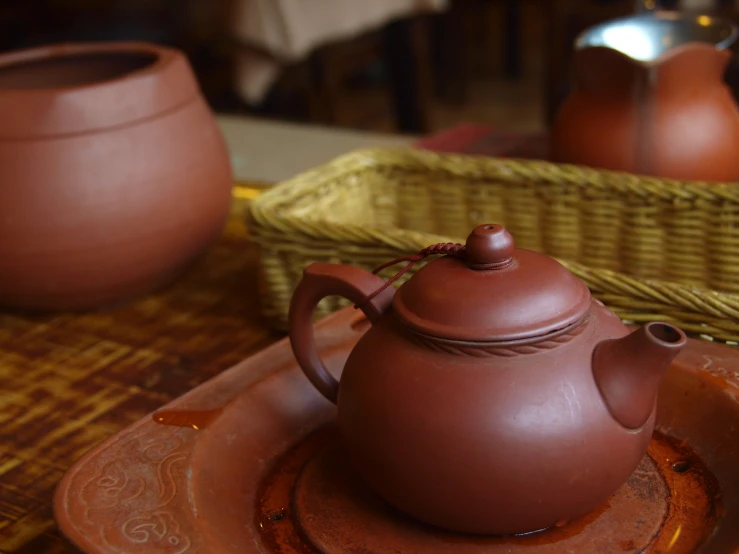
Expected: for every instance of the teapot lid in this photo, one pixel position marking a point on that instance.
(491, 291)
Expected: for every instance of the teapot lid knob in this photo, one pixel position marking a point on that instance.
(489, 247)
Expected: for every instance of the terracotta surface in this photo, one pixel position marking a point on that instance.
(253, 472)
(113, 174)
(673, 118)
(490, 361)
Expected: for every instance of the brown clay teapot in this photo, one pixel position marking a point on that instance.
(492, 394)
(649, 97)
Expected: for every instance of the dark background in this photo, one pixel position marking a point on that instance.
(396, 79)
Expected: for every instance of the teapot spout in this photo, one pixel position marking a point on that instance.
(628, 371)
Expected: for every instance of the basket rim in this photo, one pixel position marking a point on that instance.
(466, 165)
(260, 214)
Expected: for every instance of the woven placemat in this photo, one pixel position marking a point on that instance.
(69, 381)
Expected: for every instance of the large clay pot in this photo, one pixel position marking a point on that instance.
(113, 174)
(649, 98)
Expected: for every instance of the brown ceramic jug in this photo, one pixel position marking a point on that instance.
(649, 97)
(492, 394)
(113, 174)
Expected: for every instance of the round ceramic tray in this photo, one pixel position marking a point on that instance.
(250, 462)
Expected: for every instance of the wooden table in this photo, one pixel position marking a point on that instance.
(68, 381)
(272, 151)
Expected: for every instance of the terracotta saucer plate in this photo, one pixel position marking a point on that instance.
(250, 462)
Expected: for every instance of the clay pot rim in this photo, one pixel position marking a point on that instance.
(163, 85)
(68, 50)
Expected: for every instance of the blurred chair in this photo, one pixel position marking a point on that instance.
(380, 80)
(348, 79)
(325, 49)
(456, 35)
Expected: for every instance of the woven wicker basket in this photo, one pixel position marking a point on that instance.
(649, 248)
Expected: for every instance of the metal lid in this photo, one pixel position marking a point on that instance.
(648, 36)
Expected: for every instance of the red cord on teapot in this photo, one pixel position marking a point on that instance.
(446, 249)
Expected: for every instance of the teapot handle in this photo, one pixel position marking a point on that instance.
(318, 282)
